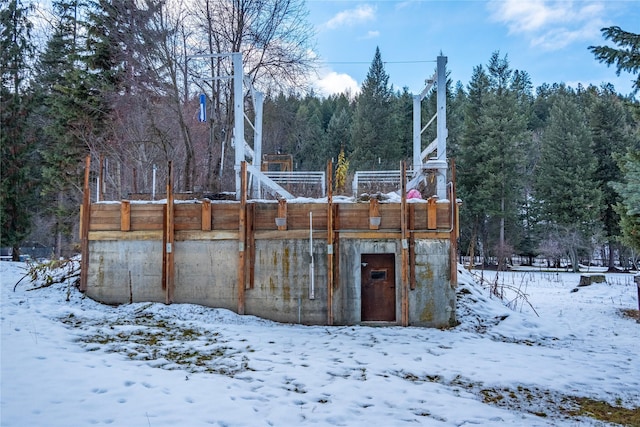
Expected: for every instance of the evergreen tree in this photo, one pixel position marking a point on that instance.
(627, 54)
(68, 120)
(372, 132)
(565, 188)
(490, 167)
(17, 142)
(311, 153)
(338, 134)
(402, 123)
(470, 175)
(629, 190)
(608, 122)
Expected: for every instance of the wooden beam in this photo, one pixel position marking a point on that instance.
(412, 262)
(164, 248)
(85, 218)
(206, 215)
(369, 234)
(329, 244)
(412, 246)
(405, 247)
(288, 235)
(453, 245)
(184, 235)
(432, 215)
(282, 214)
(169, 246)
(125, 215)
(126, 235)
(336, 247)
(374, 214)
(242, 233)
(251, 243)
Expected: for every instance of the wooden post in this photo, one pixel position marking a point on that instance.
(169, 246)
(405, 247)
(125, 215)
(242, 233)
(412, 246)
(374, 214)
(206, 215)
(85, 217)
(251, 244)
(453, 237)
(164, 246)
(282, 214)
(432, 213)
(329, 243)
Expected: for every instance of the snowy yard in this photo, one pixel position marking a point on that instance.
(79, 363)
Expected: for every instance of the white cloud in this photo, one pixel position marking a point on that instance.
(350, 17)
(371, 35)
(550, 25)
(335, 83)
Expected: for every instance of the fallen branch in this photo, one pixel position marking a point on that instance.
(45, 274)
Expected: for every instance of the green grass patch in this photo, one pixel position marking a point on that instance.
(604, 411)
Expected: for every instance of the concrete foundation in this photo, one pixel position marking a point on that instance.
(122, 271)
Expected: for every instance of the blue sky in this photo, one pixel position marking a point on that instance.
(547, 39)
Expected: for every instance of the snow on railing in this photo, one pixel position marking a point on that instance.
(299, 177)
(377, 177)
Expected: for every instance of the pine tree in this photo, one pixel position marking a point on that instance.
(566, 190)
(626, 56)
(608, 122)
(68, 121)
(372, 132)
(17, 143)
(490, 164)
(629, 190)
(338, 134)
(311, 152)
(470, 175)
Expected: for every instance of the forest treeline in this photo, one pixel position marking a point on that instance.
(551, 170)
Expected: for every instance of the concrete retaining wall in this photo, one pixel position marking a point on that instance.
(206, 273)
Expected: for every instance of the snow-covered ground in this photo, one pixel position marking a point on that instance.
(79, 363)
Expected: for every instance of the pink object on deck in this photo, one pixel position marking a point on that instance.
(414, 194)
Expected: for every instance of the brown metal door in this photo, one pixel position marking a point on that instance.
(378, 287)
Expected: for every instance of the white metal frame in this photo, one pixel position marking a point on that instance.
(421, 158)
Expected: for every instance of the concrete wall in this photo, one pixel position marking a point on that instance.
(206, 273)
(120, 268)
(282, 285)
(433, 301)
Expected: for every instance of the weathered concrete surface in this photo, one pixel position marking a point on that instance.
(282, 285)
(123, 270)
(206, 273)
(432, 302)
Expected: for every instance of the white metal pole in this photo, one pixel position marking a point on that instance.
(238, 114)
(257, 136)
(441, 184)
(417, 133)
(153, 183)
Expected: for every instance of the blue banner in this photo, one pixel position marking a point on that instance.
(202, 115)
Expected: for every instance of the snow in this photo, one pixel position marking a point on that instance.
(80, 363)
